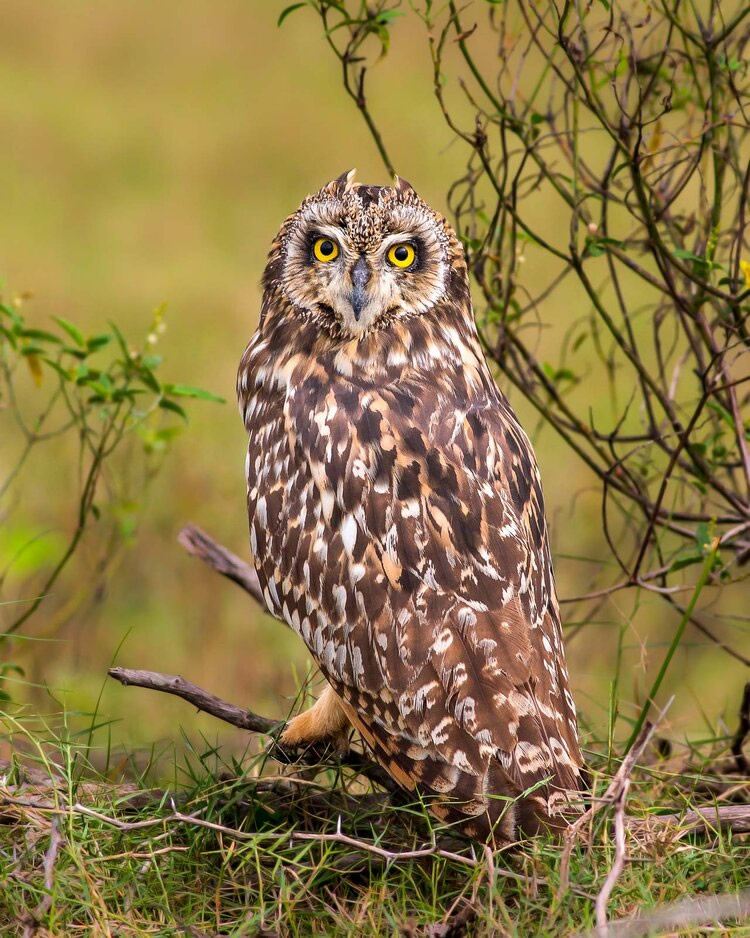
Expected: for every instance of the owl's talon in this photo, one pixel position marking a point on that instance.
(322, 730)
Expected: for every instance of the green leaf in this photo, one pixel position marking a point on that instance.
(73, 331)
(100, 387)
(151, 362)
(9, 311)
(120, 341)
(595, 246)
(8, 666)
(98, 341)
(579, 341)
(703, 536)
(687, 561)
(166, 404)
(63, 372)
(187, 390)
(558, 374)
(130, 394)
(387, 16)
(287, 10)
(40, 335)
(695, 259)
(78, 353)
(722, 412)
(149, 380)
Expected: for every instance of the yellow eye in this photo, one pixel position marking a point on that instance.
(325, 250)
(402, 255)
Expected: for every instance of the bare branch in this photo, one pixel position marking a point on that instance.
(249, 720)
(200, 544)
(203, 700)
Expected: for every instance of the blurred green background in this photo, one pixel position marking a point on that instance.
(150, 152)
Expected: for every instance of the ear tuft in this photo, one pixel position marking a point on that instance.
(402, 186)
(342, 184)
(339, 186)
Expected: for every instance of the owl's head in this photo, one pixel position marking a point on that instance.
(354, 258)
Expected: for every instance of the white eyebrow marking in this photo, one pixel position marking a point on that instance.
(397, 238)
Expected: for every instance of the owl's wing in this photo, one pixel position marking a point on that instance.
(429, 596)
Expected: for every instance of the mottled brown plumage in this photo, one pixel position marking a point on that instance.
(396, 512)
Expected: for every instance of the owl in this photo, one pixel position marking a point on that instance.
(396, 515)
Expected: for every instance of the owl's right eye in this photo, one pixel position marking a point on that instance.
(325, 250)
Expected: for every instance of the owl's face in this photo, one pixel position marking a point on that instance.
(354, 258)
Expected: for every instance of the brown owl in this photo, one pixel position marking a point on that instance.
(396, 514)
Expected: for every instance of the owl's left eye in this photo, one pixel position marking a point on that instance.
(325, 250)
(402, 255)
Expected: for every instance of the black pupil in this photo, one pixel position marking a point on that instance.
(401, 253)
(326, 248)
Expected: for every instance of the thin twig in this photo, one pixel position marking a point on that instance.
(396, 856)
(619, 864)
(50, 858)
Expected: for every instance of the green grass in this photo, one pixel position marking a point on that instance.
(213, 847)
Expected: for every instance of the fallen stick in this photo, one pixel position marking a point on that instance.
(734, 817)
(678, 917)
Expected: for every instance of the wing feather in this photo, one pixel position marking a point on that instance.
(401, 532)
(457, 626)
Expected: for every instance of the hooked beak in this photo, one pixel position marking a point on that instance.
(360, 276)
